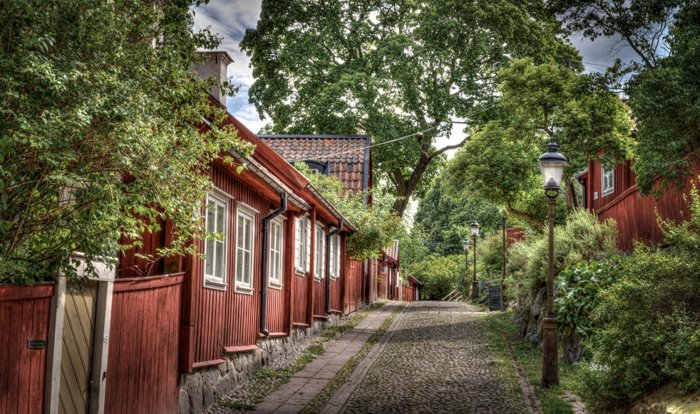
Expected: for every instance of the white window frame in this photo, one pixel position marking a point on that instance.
(334, 259)
(275, 255)
(246, 212)
(320, 267)
(609, 177)
(212, 281)
(302, 245)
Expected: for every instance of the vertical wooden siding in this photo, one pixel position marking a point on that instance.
(24, 315)
(354, 293)
(225, 318)
(143, 350)
(320, 296)
(636, 215)
(300, 297)
(408, 293)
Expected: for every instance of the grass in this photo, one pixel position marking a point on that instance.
(267, 380)
(322, 398)
(502, 324)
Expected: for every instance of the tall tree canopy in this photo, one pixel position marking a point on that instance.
(98, 137)
(390, 69)
(540, 103)
(663, 89)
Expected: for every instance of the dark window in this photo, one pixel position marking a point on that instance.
(318, 166)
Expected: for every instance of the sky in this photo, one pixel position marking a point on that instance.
(231, 18)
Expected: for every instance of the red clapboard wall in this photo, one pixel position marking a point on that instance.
(225, 320)
(143, 348)
(354, 286)
(24, 315)
(636, 215)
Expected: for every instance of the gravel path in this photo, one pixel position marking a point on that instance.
(436, 361)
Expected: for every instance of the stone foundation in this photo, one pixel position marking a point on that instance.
(204, 386)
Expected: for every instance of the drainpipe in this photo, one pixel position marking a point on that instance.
(265, 264)
(328, 264)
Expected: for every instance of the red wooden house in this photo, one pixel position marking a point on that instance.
(612, 193)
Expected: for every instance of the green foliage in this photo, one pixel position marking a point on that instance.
(446, 214)
(540, 103)
(390, 70)
(414, 245)
(377, 225)
(649, 322)
(439, 274)
(490, 253)
(98, 137)
(664, 102)
(582, 238)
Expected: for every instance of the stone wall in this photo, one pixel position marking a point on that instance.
(204, 386)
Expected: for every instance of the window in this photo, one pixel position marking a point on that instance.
(245, 232)
(320, 252)
(334, 259)
(275, 256)
(215, 247)
(302, 245)
(608, 180)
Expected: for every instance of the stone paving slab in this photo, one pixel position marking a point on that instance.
(293, 396)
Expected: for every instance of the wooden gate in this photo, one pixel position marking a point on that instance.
(142, 373)
(78, 335)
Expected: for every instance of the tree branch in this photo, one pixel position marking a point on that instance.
(448, 147)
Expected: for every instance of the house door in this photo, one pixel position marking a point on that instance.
(76, 352)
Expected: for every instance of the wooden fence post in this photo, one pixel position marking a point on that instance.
(53, 360)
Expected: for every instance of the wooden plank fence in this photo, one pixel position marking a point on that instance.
(24, 317)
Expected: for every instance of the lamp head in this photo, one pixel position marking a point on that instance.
(474, 227)
(552, 165)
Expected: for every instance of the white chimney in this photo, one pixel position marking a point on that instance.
(215, 66)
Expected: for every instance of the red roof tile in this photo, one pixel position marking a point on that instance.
(346, 156)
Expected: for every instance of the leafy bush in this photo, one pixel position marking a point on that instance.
(377, 225)
(577, 296)
(650, 322)
(439, 274)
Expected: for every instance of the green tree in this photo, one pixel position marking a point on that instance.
(377, 225)
(664, 101)
(440, 275)
(541, 103)
(389, 69)
(446, 216)
(98, 137)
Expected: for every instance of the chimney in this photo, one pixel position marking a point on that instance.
(214, 66)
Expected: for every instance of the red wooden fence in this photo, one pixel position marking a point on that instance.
(24, 315)
(408, 293)
(143, 350)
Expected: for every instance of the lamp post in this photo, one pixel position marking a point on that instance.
(466, 264)
(474, 227)
(552, 168)
(503, 271)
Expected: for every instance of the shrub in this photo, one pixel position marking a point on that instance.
(650, 322)
(577, 296)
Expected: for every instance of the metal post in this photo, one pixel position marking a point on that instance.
(503, 273)
(475, 285)
(550, 369)
(466, 272)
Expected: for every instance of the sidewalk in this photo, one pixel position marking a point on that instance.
(293, 396)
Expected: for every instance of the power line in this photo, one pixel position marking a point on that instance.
(476, 111)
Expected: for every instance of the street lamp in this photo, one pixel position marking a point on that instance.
(465, 244)
(552, 168)
(503, 272)
(474, 227)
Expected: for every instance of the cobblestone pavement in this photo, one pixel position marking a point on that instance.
(307, 383)
(435, 360)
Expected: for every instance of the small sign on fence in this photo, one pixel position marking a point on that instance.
(37, 343)
(494, 298)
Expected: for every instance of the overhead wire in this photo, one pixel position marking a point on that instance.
(474, 112)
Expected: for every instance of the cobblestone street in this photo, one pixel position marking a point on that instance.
(435, 359)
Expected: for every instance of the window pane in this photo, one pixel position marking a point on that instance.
(209, 260)
(211, 212)
(246, 271)
(219, 272)
(240, 234)
(239, 265)
(249, 234)
(220, 217)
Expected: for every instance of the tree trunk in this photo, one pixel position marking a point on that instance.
(405, 188)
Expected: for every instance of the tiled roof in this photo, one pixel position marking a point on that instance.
(346, 156)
